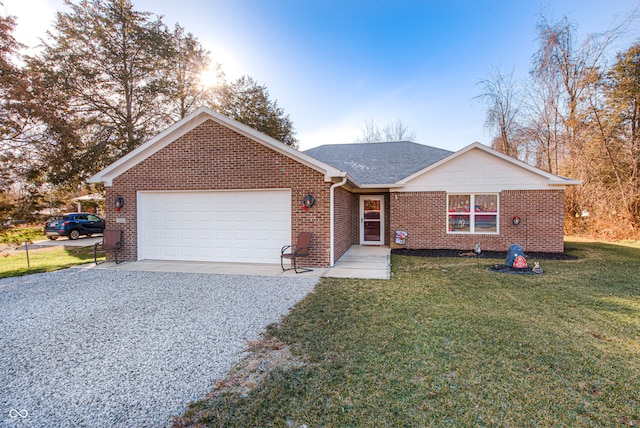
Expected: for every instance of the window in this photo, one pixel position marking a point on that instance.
(483, 218)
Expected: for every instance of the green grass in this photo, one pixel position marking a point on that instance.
(447, 342)
(45, 260)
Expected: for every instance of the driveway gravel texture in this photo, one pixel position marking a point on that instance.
(105, 348)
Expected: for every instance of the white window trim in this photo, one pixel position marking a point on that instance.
(472, 214)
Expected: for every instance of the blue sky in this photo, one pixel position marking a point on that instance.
(333, 65)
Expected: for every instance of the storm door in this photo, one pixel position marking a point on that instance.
(371, 220)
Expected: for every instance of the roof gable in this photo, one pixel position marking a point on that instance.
(190, 122)
(379, 163)
(478, 166)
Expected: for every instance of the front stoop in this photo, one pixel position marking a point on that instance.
(363, 262)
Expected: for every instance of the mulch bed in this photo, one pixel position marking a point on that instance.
(483, 255)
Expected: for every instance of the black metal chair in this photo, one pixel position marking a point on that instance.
(300, 250)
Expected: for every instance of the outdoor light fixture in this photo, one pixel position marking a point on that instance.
(119, 203)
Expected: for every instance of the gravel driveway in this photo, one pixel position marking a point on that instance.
(109, 348)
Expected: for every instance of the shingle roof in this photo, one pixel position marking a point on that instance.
(379, 163)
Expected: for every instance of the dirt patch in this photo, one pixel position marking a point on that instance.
(11, 250)
(264, 356)
(6, 250)
(483, 255)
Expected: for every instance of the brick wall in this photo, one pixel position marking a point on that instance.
(423, 216)
(387, 219)
(213, 157)
(355, 219)
(343, 219)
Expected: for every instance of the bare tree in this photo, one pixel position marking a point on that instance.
(504, 101)
(394, 131)
(612, 146)
(543, 125)
(571, 67)
(398, 131)
(569, 64)
(370, 133)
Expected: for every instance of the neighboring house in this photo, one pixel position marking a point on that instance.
(212, 189)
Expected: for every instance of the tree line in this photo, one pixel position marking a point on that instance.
(106, 79)
(577, 114)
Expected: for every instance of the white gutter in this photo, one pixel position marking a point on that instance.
(332, 221)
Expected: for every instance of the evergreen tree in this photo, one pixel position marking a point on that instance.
(10, 124)
(186, 61)
(105, 58)
(248, 102)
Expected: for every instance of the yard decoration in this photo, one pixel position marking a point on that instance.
(308, 202)
(119, 203)
(536, 268)
(515, 257)
(520, 263)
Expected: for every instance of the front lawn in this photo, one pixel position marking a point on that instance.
(45, 260)
(447, 342)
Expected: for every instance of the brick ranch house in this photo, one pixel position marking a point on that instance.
(209, 188)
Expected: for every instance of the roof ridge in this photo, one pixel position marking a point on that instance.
(378, 143)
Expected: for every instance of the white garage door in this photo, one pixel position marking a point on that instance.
(233, 226)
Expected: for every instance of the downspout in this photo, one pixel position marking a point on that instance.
(332, 221)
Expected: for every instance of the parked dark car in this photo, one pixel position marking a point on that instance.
(74, 225)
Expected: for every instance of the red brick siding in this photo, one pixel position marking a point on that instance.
(387, 220)
(343, 219)
(423, 216)
(542, 214)
(213, 157)
(355, 219)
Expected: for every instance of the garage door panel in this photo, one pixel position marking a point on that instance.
(244, 226)
(189, 216)
(188, 234)
(206, 214)
(223, 215)
(205, 235)
(262, 235)
(243, 235)
(168, 216)
(242, 216)
(221, 253)
(169, 198)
